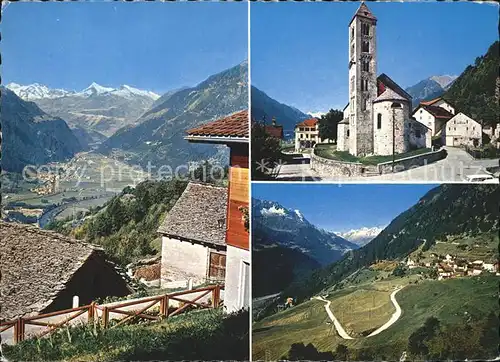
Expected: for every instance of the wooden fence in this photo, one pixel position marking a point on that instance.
(101, 313)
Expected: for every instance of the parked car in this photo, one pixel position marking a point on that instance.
(482, 178)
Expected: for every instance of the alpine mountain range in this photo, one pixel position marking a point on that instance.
(134, 125)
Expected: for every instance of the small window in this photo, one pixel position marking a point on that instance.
(365, 46)
(364, 84)
(347, 133)
(365, 29)
(352, 33)
(366, 65)
(379, 121)
(363, 104)
(217, 268)
(418, 134)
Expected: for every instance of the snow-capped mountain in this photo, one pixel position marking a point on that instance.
(36, 91)
(98, 110)
(94, 89)
(273, 224)
(361, 236)
(316, 114)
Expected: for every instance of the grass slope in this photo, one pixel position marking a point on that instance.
(367, 306)
(197, 335)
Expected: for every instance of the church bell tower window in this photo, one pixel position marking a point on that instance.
(379, 121)
(365, 46)
(366, 65)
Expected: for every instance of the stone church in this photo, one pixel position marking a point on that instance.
(377, 119)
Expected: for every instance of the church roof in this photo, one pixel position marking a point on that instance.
(344, 121)
(389, 95)
(363, 12)
(388, 82)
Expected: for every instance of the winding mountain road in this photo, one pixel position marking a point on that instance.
(341, 331)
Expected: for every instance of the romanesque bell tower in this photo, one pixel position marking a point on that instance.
(362, 80)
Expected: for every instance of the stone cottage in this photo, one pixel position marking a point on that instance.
(194, 237)
(43, 271)
(377, 118)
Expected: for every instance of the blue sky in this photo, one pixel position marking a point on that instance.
(299, 50)
(343, 207)
(155, 46)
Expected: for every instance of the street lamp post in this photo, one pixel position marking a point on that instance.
(394, 105)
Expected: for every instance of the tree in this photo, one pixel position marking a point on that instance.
(342, 352)
(328, 124)
(300, 352)
(266, 153)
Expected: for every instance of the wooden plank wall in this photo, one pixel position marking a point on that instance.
(238, 197)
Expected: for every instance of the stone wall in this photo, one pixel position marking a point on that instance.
(412, 162)
(336, 168)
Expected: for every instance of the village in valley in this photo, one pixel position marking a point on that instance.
(124, 227)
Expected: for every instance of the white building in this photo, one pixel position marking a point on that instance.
(194, 237)
(434, 114)
(377, 119)
(461, 130)
(307, 134)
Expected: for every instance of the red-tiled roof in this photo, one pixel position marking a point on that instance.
(430, 102)
(275, 131)
(308, 123)
(437, 112)
(234, 125)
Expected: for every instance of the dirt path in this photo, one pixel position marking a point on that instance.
(341, 331)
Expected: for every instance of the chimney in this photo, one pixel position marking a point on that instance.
(274, 121)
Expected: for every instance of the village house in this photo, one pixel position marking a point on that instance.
(43, 271)
(496, 136)
(411, 264)
(307, 134)
(461, 130)
(233, 131)
(274, 129)
(377, 118)
(194, 238)
(434, 114)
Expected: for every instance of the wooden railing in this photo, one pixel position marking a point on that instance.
(102, 313)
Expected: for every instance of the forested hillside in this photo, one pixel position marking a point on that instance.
(450, 209)
(476, 92)
(126, 226)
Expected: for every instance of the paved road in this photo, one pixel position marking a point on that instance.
(453, 168)
(395, 316)
(341, 331)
